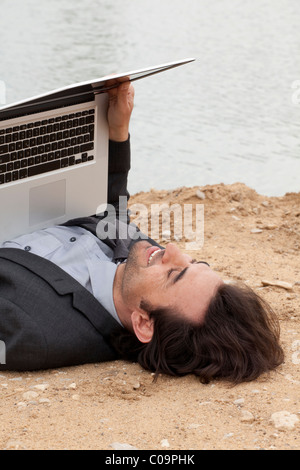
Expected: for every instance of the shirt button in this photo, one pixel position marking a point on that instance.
(27, 248)
(73, 239)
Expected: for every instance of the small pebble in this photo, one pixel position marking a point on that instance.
(284, 420)
(41, 387)
(164, 443)
(136, 386)
(283, 284)
(45, 401)
(247, 417)
(30, 395)
(200, 194)
(21, 405)
(122, 446)
(239, 402)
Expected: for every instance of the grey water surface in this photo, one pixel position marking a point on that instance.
(232, 115)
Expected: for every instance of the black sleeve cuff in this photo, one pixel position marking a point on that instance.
(119, 157)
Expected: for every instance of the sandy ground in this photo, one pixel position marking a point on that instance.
(101, 406)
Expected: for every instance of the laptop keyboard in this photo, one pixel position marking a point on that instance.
(44, 146)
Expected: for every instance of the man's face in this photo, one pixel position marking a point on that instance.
(168, 278)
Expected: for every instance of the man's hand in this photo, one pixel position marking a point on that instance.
(120, 106)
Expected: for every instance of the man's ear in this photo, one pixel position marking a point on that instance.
(143, 326)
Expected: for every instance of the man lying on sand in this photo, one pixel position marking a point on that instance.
(68, 297)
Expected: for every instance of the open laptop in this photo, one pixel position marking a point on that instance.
(54, 154)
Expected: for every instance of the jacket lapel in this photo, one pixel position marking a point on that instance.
(64, 284)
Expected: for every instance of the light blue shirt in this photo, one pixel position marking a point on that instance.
(79, 253)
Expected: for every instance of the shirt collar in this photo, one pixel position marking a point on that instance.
(102, 275)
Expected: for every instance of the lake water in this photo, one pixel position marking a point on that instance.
(230, 116)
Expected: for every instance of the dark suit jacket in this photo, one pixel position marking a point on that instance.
(47, 319)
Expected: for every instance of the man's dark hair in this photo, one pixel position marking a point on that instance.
(238, 339)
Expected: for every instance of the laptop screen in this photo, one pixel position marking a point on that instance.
(80, 92)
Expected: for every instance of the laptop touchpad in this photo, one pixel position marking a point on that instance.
(47, 202)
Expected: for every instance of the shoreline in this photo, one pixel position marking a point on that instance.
(247, 237)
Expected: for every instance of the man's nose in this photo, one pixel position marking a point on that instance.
(174, 255)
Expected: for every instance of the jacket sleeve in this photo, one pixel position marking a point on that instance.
(118, 169)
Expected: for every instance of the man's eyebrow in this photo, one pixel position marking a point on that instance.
(194, 261)
(180, 275)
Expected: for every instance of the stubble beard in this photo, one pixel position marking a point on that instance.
(130, 275)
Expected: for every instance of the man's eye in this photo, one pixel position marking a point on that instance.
(171, 271)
